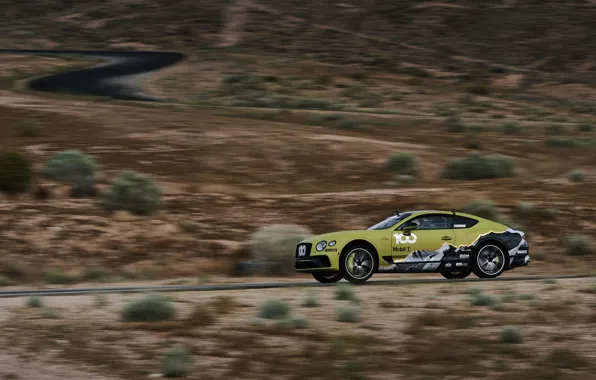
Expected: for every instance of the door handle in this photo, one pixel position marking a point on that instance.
(446, 238)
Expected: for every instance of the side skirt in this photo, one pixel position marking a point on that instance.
(427, 267)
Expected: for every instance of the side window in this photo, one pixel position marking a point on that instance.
(463, 222)
(434, 222)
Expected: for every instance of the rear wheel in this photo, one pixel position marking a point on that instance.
(357, 264)
(489, 261)
(456, 275)
(327, 277)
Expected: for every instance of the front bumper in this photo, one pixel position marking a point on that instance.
(305, 262)
(314, 262)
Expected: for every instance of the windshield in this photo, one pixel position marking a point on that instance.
(390, 222)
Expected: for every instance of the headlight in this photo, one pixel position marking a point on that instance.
(332, 243)
(321, 245)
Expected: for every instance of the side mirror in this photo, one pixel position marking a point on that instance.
(410, 226)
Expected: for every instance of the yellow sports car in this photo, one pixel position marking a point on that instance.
(451, 243)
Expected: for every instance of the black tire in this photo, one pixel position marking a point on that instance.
(480, 254)
(327, 277)
(456, 275)
(369, 263)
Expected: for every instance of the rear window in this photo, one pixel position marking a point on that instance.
(463, 222)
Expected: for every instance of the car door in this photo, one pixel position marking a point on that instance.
(423, 242)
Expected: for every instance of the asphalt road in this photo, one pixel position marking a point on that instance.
(266, 285)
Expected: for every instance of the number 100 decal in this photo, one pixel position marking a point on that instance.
(403, 239)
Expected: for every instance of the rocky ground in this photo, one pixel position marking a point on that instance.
(498, 330)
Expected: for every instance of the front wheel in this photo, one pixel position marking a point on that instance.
(327, 277)
(357, 264)
(456, 275)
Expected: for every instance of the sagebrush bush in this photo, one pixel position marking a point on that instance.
(454, 124)
(56, 276)
(274, 247)
(483, 299)
(68, 165)
(512, 334)
(96, 274)
(560, 142)
(348, 314)
(576, 176)
(15, 173)
(344, 292)
(299, 322)
(150, 308)
(403, 163)
(578, 245)
(34, 302)
(477, 166)
(132, 192)
(483, 208)
(176, 362)
(274, 309)
(310, 300)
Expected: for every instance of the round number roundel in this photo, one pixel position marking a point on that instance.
(403, 239)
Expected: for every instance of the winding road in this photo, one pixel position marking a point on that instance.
(113, 79)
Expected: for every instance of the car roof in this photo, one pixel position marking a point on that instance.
(447, 212)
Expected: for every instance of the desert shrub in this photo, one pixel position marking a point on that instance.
(274, 309)
(96, 274)
(15, 173)
(69, 165)
(483, 299)
(403, 163)
(274, 247)
(310, 300)
(28, 128)
(299, 322)
(454, 124)
(560, 142)
(483, 208)
(525, 209)
(576, 176)
(176, 362)
(511, 334)
(350, 125)
(150, 308)
(477, 166)
(56, 276)
(345, 292)
(348, 314)
(34, 302)
(132, 192)
(585, 127)
(578, 245)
